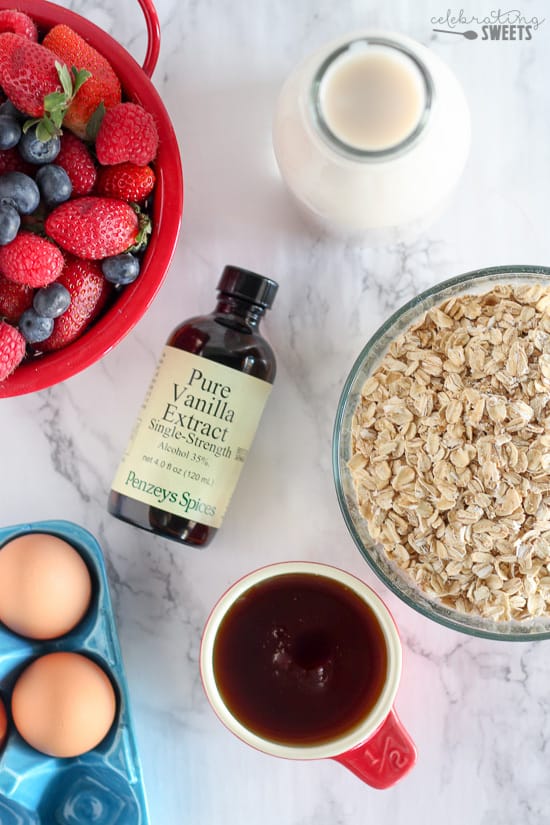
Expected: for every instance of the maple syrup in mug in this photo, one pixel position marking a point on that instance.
(300, 659)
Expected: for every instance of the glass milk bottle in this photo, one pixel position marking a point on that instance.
(371, 134)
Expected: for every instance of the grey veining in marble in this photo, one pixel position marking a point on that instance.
(479, 711)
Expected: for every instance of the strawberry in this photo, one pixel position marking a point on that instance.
(9, 42)
(31, 260)
(126, 181)
(77, 162)
(89, 293)
(102, 87)
(93, 227)
(19, 23)
(37, 83)
(14, 299)
(12, 349)
(27, 73)
(127, 133)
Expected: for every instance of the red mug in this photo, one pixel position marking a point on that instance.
(375, 747)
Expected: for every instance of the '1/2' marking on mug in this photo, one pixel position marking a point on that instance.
(391, 754)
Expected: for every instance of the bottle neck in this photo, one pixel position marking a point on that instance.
(234, 311)
(357, 69)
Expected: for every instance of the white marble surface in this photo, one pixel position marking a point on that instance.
(479, 711)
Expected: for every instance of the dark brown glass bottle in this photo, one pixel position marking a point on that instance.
(230, 337)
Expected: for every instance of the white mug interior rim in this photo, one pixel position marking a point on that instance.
(334, 747)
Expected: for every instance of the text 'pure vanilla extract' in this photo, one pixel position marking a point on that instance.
(199, 416)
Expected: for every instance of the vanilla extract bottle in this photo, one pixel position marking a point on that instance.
(199, 416)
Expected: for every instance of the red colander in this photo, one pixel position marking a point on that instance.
(47, 370)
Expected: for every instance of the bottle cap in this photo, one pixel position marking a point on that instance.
(248, 285)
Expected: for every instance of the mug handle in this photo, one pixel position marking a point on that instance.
(384, 758)
(153, 36)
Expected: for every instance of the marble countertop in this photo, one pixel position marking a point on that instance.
(479, 711)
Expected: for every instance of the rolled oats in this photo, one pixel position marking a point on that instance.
(451, 452)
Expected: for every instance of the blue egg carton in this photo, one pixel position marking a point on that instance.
(105, 785)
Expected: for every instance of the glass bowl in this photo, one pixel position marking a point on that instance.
(396, 579)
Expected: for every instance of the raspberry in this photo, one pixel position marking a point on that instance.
(127, 133)
(77, 162)
(14, 299)
(19, 23)
(12, 349)
(31, 260)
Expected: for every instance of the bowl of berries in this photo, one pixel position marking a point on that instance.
(91, 191)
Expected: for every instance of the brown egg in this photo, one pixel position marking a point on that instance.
(63, 704)
(45, 586)
(3, 725)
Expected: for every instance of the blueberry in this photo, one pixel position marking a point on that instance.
(121, 269)
(10, 132)
(51, 301)
(54, 184)
(20, 191)
(35, 327)
(38, 151)
(9, 223)
(7, 108)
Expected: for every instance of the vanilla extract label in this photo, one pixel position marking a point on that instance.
(197, 421)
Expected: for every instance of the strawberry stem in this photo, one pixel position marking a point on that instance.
(144, 230)
(57, 103)
(92, 127)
